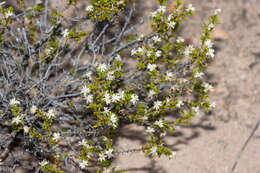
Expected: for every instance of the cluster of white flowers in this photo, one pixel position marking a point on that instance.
(151, 67)
(65, 33)
(109, 153)
(161, 9)
(211, 26)
(190, 8)
(89, 8)
(107, 98)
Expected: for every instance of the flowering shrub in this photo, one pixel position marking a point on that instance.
(65, 113)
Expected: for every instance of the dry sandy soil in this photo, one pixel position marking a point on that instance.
(212, 142)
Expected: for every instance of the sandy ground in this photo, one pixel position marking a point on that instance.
(211, 144)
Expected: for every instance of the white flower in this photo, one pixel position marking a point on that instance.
(33, 109)
(43, 163)
(51, 113)
(153, 151)
(151, 67)
(161, 9)
(190, 8)
(102, 157)
(109, 153)
(2, 3)
(17, 120)
(157, 105)
(159, 123)
(217, 11)
(156, 39)
(154, 14)
(13, 101)
(180, 40)
(141, 50)
(115, 97)
(56, 136)
(208, 43)
(113, 118)
(198, 74)
(172, 155)
(188, 50)
(121, 94)
(133, 52)
(107, 98)
(110, 75)
(210, 53)
(8, 14)
(149, 53)
(158, 53)
(168, 101)
(102, 67)
(171, 25)
(212, 105)
(207, 87)
(83, 142)
(83, 164)
(196, 109)
(134, 98)
(89, 8)
(170, 17)
(163, 134)
(65, 33)
(150, 130)
(151, 93)
(85, 90)
(179, 104)
(118, 57)
(89, 98)
(26, 129)
(169, 76)
(106, 111)
(88, 74)
(211, 26)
